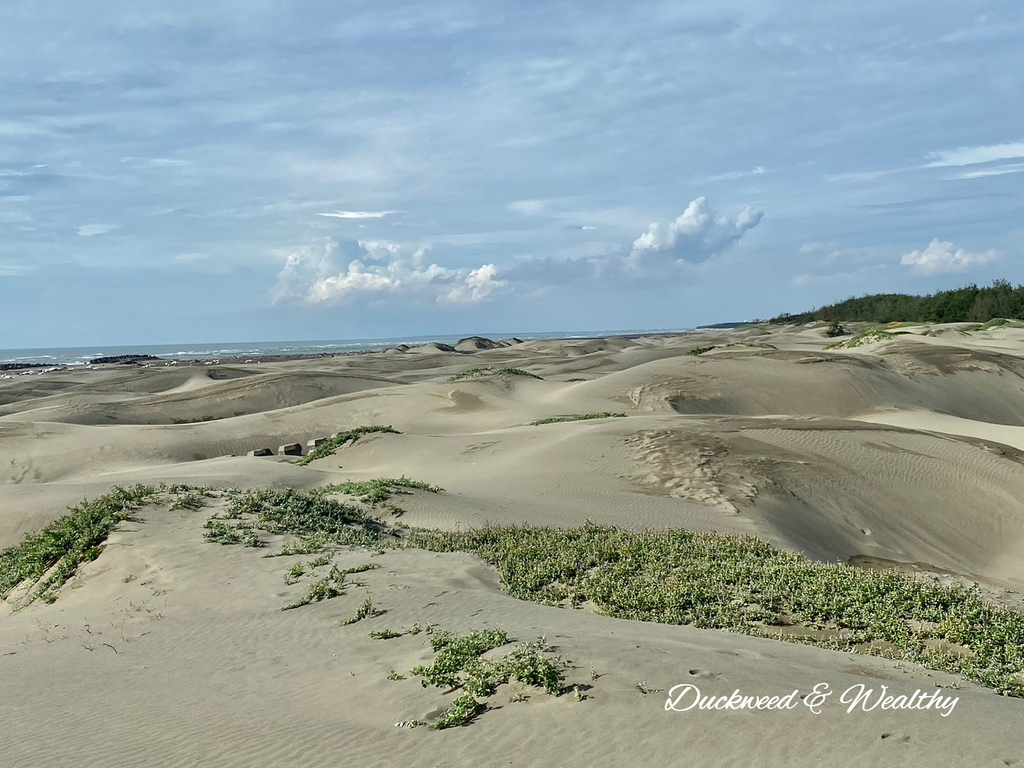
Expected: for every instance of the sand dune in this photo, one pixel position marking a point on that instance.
(167, 650)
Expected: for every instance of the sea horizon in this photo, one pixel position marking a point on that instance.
(81, 355)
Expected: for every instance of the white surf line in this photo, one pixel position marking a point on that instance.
(929, 421)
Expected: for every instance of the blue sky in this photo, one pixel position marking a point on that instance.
(256, 170)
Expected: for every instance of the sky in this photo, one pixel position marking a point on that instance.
(263, 170)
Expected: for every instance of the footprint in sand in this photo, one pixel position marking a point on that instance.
(704, 674)
(741, 653)
(901, 738)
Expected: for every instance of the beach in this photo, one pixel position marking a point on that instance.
(904, 452)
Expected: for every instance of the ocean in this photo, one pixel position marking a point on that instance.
(82, 355)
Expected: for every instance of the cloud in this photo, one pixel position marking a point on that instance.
(824, 254)
(1000, 170)
(302, 268)
(354, 280)
(976, 155)
(696, 235)
(960, 157)
(357, 214)
(829, 263)
(758, 171)
(547, 270)
(88, 230)
(941, 257)
(13, 270)
(529, 207)
(155, 162)
(333, 272)
(477, 286)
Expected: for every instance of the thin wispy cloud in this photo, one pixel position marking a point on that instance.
(357, 214)
(960, 157)
(988, 172)
(530, 207)
(155, 162)
(976, 155)
(89, 230)
(731, 175)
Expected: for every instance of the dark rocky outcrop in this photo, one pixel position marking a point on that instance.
(473, 343)
(291, 449)
(433, 346)
(121, 359)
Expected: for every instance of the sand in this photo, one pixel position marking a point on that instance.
(168, 650)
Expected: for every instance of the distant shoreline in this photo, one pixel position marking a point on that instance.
(44, 357)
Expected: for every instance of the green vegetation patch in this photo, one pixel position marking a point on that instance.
(871, 336)
(328, 447)
(459, 665)
(462, 711)
(697, 351)
(1000, 322)
(475, 373)
(364, 610)
(745, 585)
(311, 545)
(330, 586)
(454, 653)
(578, 417)
(295, 573)
(311, 516)
(188, 497)
(376, 491)
(219, 531)
(50, 557)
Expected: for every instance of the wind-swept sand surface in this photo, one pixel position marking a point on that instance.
(169, 650)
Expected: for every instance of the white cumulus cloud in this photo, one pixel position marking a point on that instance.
(477, 285)
(331, 272)
(942, 256)
(696, 235)
(353, 280)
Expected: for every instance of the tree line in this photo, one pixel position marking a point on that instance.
(967, 304)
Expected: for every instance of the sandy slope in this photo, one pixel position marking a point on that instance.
(167, 650)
